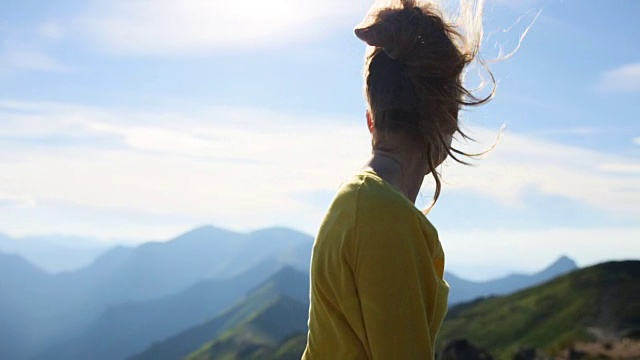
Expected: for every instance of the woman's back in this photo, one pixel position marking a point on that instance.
(377, 290)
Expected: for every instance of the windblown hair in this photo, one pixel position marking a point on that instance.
(414, 72)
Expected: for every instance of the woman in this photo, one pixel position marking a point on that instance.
(377, 288)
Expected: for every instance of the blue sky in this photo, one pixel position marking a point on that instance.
(139, 120)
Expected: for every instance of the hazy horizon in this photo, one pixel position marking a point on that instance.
(468, 270)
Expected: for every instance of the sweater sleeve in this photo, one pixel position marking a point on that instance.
(397, 286)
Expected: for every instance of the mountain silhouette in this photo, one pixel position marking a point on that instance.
(464, 290)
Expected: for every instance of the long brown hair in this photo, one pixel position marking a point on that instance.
(414, 72)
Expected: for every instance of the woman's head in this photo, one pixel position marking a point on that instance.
(414, 74)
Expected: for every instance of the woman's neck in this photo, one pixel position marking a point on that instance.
(405, 173)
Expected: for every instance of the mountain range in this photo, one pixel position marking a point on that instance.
(463, 290)
(41, 311)
(131, 327)
(54, 253)
(119, 304)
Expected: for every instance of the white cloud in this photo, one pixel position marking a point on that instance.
(637, 140)
(622, 168)
(247, 168)
(16, 200)
(622, 79)
(177, 26)
(32, 48)
(202, 167)
(31, 59)
(521, 162)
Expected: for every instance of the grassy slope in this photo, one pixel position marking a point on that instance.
(287, 284)
(264, 335)
(182, 344)
(553, 315)
(290, 348)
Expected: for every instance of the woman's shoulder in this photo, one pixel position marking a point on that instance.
(379, 202)
(368, 208)
(374, 193)
(367, 196)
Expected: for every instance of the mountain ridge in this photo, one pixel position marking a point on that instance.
(462, 290)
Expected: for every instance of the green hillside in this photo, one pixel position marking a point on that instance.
(275, 309)
(272, 334)
(291, 348)
(601, 302)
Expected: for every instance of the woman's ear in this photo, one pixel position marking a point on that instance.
(370, 122)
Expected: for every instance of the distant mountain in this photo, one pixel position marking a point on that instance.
(595, 303)
(54, 253)
(17, 272)
(19, 281)
(129, 328)
(154, 270)
(463, 290)
(272, 311)
(61, 307)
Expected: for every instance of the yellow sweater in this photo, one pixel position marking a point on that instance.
(377, 290)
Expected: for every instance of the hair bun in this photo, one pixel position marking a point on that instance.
(395, 30)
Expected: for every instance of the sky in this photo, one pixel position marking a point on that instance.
(131, 120)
